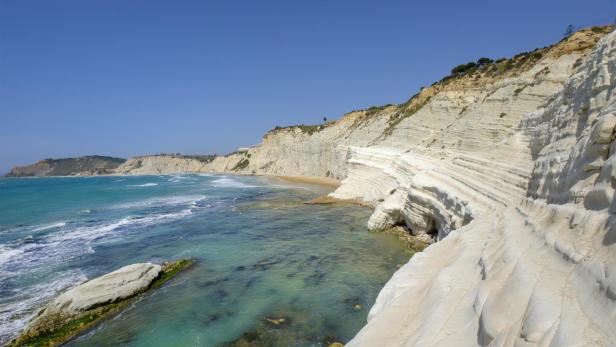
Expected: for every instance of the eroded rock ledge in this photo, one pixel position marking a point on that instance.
(534, 262)
(87, 304)
(511, 168)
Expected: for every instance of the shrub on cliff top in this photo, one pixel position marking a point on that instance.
(463, 68)
(483, 61)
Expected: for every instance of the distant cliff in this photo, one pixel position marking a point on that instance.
(164, 164)
(82, 166)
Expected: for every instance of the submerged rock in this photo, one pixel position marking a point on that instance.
(287, 326)
(277, 322)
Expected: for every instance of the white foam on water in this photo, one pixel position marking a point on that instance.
(151, 184)
(68, 243)
(161, 202)
(180, 178)
(48, 226)
(6, 254)
(226, 182)
(34, 228)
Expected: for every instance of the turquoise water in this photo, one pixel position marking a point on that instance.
(262, 255)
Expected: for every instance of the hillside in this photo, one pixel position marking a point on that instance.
(88, 165)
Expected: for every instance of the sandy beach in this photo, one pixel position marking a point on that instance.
(322, 181)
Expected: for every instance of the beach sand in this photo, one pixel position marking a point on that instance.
(321, 181)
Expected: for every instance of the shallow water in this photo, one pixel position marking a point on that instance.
(262, 255)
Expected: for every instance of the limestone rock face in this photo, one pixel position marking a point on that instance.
(512, 167)
(163, 164)
(534, 263)
(112, 287)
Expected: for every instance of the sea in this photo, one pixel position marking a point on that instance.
(270, 270)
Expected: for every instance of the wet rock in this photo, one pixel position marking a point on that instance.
(291, 326)
(87, 304)
(278, 322)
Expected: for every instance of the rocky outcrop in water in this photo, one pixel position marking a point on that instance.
(82, 166)
(87, 304)
(508, 165)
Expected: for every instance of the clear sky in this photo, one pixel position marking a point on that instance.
(127, 78)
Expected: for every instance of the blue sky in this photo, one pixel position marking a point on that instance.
(128, 78)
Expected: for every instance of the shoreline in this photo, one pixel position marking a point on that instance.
(314, 180)
(328, 200)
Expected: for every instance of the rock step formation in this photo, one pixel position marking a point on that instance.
(537, 268)
(510, 168)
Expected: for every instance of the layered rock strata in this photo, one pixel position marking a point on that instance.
(528, 258)
(510, 168)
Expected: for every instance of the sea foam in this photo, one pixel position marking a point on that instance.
(151, 184)
(226, 182)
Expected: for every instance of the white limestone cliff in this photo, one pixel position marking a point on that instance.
(162, 164)
(511, 169)
(536, 265)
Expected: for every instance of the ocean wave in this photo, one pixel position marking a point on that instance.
(151, 184)
(162, 202)
(7, 253)
(49, 226)
(180, 178)
(28, 255)
(89, 234)
(33, 228)
(226, 182)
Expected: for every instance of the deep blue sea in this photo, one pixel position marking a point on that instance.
(262, 255)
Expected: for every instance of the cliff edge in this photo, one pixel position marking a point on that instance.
(508, 165)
